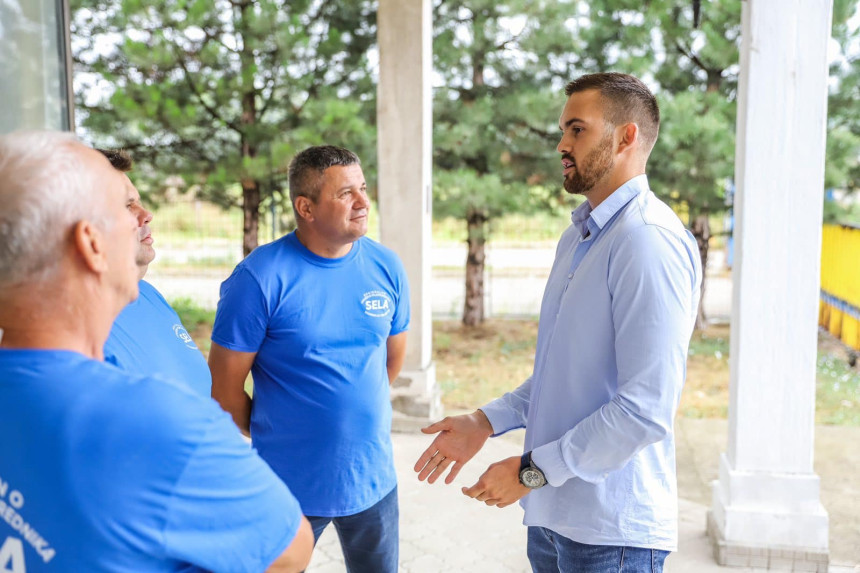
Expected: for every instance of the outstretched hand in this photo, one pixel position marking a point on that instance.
(459, 439)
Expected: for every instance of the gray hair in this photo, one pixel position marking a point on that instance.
(45, 189)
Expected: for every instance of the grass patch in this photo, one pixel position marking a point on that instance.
(186, 221)
(706, 391)
(474, 366)
(193, 264)
(837, 394)
(197, 320)
(539, 229)
(192, 314)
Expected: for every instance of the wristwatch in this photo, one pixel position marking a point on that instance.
(531, 476)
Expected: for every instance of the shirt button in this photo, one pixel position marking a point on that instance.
(570, 276)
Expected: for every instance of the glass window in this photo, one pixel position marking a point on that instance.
(33, 73)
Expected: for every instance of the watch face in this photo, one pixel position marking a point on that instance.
(532, 478)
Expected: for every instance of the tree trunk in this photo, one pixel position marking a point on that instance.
(248, 120)
(476, 219)
(250, 215)
(473, 306)
(702, 232)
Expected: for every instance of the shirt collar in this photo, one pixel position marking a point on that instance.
(591, 220)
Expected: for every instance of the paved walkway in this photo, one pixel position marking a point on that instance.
(442, 530)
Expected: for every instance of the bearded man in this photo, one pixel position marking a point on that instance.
(597, 479)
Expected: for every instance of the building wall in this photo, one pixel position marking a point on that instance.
(34, 67)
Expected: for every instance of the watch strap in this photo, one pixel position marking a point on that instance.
(526, 461)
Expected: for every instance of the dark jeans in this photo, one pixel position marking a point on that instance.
(550, 552)
(369, 539)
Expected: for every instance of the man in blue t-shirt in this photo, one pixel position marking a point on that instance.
(101, 470)
(148, 337)
(320, 317)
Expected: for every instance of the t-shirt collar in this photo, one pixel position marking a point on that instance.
(319, 261)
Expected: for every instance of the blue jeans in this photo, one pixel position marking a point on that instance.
(550, 552)
(369, 539)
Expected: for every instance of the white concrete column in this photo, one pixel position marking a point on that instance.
(766, 507)
(405, 141)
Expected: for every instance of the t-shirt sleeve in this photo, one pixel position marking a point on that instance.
(228, 510)
(242, 316)
(400, 321)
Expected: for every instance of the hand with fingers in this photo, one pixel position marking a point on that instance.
(500, 484)
(459, 439)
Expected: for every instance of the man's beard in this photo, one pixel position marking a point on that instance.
(592, 169)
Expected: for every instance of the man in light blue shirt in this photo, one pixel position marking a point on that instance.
(597, 481)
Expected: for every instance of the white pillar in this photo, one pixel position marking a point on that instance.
(766, 507)
(405, 140)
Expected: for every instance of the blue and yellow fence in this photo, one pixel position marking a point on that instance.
(839, 307)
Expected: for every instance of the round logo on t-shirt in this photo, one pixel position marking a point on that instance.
(183, 335)
(376, 303)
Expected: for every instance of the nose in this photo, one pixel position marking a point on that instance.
(142, 215)
(362, 201)
(563, 146)
(147, 215)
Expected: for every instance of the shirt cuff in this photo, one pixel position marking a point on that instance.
(501, 417)
(549, 459)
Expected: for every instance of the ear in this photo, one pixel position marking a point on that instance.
(629, 137)
(304, 208)
(90, 244)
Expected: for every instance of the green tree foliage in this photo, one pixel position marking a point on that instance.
(697, 73)
(504, 67)
(842, 169)
(495, 117)
(223, 92)
(693, 161)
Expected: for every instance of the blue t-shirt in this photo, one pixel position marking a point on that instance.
(103, 471)
(148, 338)
(321, 415)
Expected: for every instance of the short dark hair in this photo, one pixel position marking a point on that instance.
(626, 100)
(307, 168)
(119, 158)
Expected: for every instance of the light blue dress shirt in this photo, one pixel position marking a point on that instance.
(615, 325)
